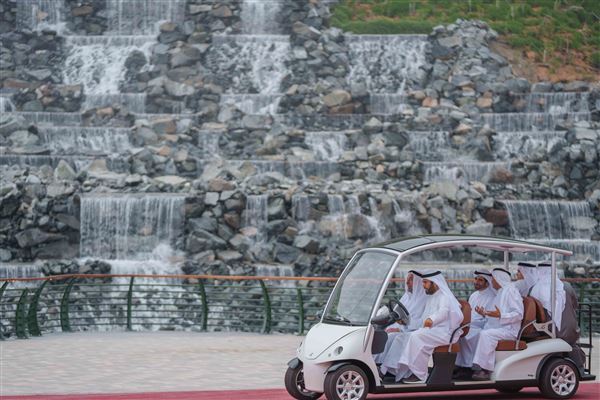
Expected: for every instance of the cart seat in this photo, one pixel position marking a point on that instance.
(455, 347)
(509, 345)
(533, 311)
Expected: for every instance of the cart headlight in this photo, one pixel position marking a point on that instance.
(338, 350)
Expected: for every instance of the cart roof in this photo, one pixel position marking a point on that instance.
(448, 240)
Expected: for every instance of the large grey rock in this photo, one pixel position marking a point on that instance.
(480, 227)
(35, 236)
(305, 31)
(306, 243)
(285, 254)
(173, 180)
(336, 98)
(22, 138)
(178, 89)
(63, 171)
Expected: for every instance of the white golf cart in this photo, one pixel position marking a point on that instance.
(336, 357)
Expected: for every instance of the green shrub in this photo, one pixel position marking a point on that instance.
(594, 59)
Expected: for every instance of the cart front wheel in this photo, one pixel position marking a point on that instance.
(559, 379)
(347, 383)
(294, 384)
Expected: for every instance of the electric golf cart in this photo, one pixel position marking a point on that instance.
(336, 356)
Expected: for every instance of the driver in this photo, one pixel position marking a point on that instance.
(484, 296)
(442, 315)
(413, 300)
(503, 323)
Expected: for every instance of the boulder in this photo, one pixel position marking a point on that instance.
(480, 227)
(496, 217)
(336, 98)
(63, 171)
(306, 243)
(35, 236)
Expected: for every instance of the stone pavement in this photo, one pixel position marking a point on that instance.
(121, 362)
(134, 362)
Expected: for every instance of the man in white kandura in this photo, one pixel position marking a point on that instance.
(413, 299)
(542, 291)
(503, 323)
(527, 277)
(442, 315)
(484, 297)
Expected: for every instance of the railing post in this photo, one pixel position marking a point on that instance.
(300, 311)
(65, 325)
(267, 320)
(21, 315)
(129, 302)
(204, 323)
(32, 320)
(2, 289)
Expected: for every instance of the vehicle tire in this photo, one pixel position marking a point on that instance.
(347, 382)
(294, 384)
(559, 379)
(515, 389)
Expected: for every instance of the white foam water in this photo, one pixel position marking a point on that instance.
(384, 62)
(252, 103)
(128, 226)
(142, 17)
(260, 17)
(327, 146)
(98, 62)
(84, 140)
(461, 171)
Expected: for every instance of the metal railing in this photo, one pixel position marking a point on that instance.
(32, 306)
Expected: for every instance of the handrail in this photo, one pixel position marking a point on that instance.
(234, 278)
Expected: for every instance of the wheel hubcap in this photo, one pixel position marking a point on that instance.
(563, 380)
(350, 385)
(300, 382)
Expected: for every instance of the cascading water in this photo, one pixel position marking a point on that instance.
(259, 17)
(530, 121)
(129, 227)
(83, 140)
(256, 215)
(300, 207)
(467, 171)
(98, 62)
(40, 14)
(524, 144)
(251, 63)
(6, 105)
(257, 104)
(564, 224)
(431, 146)
(385, 62)
(133, 102)
(327, 146)
(141, 17)
(557, 103)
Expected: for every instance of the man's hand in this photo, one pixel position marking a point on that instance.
(480, 310)
(428, 323)
(390, 330)
(493, 314)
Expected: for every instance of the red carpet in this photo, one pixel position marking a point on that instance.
(587, 391)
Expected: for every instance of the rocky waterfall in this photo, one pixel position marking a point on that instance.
(231, 137)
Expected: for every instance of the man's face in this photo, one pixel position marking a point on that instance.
(480, 283)
(520, 275)
(409, 282)
(495, 284)
(430, 287)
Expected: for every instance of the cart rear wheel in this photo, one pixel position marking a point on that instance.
(347, 383)
(294, 384)
(559, 379)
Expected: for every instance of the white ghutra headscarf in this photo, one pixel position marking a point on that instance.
(456, 315)
(542, 291)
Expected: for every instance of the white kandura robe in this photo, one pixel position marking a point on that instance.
(542, 291)
(530, 278)
(415, 304)
(510, 304)
(481, 298)
(410, 351)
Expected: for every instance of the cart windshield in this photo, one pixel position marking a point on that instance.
(356, 292)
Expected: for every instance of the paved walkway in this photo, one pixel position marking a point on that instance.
(160, 363)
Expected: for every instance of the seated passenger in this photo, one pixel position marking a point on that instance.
(483, 297)
(542, 291)
(413, 300)
(503, 323)
(442, 315)
(527, 276)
